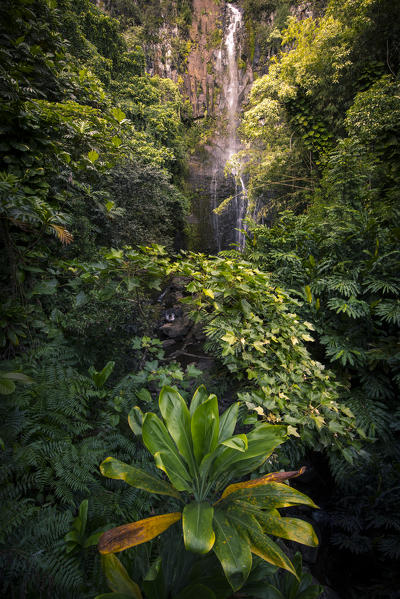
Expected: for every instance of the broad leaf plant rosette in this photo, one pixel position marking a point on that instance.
(200, 455)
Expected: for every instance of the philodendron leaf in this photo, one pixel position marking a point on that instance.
(227, 422)
(292, 529)
(205, 428)
(136, 477)
(197, 524)
(100, 377)
(176, 416)
(118, 578)
(136, 533)
(256, 482)
(198, 398)
(232, 550)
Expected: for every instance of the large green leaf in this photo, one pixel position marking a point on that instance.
(238, 442)
(136, 477)
(158, 441)
(197, 524)
(176, 416)
(118, 578)
(227, 422)
(205, 427)
(271, 495)
(199, 396)
(135, 533)
(292, 529)
(261, 442)
(269, 551)
(174, 469)
(232, 550)
(135, 420)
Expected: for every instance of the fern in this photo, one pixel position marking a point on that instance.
(55, 435)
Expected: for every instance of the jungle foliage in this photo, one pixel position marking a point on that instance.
(303, 328)
(322, 132)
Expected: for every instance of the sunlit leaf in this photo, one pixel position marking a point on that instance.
(136, 533)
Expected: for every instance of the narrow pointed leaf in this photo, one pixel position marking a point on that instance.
(269, 551)
(227, 422)
(200, 395)
(204, 428)
(118, 578)
(232, 551)
(158, 441)
(256, 482)
(136, 533)
(207, 462)
(136, 477)
(237, 442)
(83, 510)
(292, 529)
(174, 469)
(272, 495)
(176, 416)
(197, 524)
(261, 442)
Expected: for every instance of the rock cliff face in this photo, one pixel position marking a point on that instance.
(214, 66)
(216, 82)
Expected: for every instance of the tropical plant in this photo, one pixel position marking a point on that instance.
(199, 452)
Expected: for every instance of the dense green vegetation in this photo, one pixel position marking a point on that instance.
(322, 135)
(302, 329)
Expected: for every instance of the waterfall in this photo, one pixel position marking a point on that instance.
(232, 101)
(232, 90)
(214, 205)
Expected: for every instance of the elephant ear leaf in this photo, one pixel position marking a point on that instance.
(118, 578)
(135, 533)
(136, 477)
(176, 416)
(197, 524)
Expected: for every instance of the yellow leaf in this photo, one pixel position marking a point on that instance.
(63, 235)
(209, 293)
(136, 533)
(256, 482)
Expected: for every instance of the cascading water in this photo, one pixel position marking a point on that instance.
(237, 206)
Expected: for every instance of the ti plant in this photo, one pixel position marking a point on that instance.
(200, 454)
